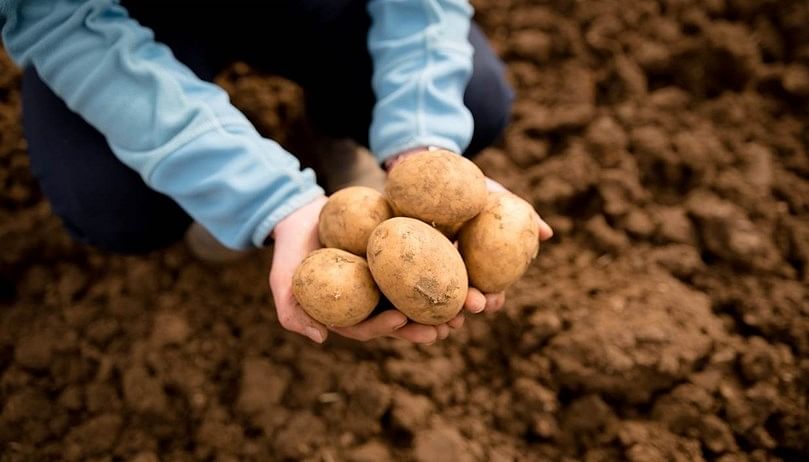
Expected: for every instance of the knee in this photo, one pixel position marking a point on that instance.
(489, 97)
(100, 201)
(124, 234)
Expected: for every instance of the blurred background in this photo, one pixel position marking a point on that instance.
(668, 319)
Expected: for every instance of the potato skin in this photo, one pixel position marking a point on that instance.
(335, 287)
(440, 188)
(418, 269)
(349, 216)
(499, 244)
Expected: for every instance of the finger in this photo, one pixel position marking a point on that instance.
(385, 323)
(417, 333)
(443, 331)
(494, 302)
(494, 186)
(457, 321)
(475, 301)
(545, 230)
(292, 318)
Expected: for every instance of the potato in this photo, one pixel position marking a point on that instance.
(499, 244)
(349, 216)
(437, 187)
(418, 269)
(335, 287)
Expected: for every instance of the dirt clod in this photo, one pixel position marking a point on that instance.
(442, 443)
(668, 318)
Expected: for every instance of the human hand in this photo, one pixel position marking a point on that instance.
(494, 302)
(477, 301)
(296, 236)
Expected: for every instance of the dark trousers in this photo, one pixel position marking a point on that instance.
(321, 45)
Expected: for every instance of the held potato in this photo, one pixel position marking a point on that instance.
(349, 216)
(437, 187)
(335, 287)
(499, 244)
(418, 269)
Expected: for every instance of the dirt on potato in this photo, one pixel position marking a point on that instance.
(668, 319)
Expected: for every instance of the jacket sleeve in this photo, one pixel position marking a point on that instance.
(422, 63)
(179, 133)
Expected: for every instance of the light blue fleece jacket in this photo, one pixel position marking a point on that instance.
(186, 140)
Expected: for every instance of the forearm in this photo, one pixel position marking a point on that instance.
(180, 133)
(422, 64)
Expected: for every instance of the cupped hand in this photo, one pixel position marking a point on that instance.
(477, 301)
(296, 237)
(494, 302)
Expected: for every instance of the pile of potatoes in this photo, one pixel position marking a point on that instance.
(402, 244)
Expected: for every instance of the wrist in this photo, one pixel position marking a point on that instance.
(308, 214)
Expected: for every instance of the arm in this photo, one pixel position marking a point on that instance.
(179, 133)
(422, 63)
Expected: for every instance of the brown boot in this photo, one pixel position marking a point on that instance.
(343, 163)
(206, 248)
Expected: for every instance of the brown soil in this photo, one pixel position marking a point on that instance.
(666, 141)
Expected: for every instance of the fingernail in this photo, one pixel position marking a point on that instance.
(479, 308)
(314, 334)
(400, 325)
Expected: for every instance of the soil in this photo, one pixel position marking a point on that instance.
(666, 142)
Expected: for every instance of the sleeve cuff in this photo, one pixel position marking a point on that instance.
(264, 229)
